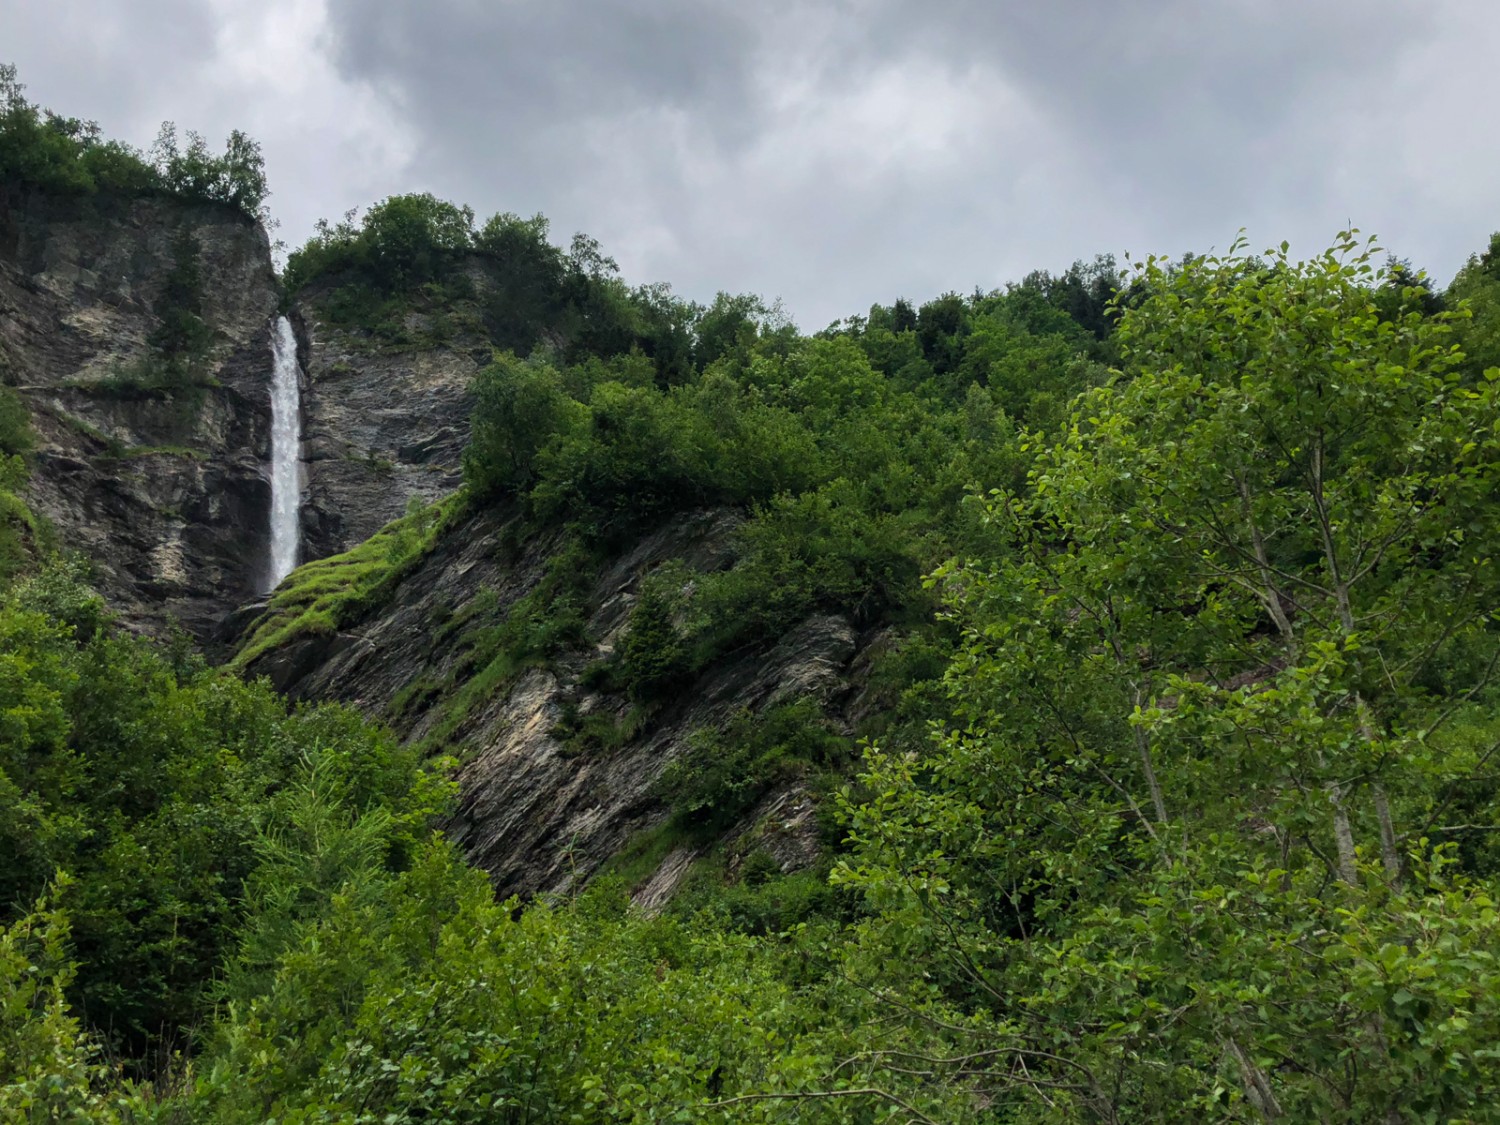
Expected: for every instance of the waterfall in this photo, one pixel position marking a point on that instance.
(286, 461)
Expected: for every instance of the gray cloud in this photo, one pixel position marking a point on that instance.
(835, 152)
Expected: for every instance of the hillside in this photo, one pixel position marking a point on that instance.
(1074, 701)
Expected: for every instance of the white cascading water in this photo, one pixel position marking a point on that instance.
(286, 452)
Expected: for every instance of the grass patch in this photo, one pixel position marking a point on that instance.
(152, 377)
(639, 859)
(496, 646)
(414, 696)
(599, 731)
(117, 450)
(132, 451)
(322, 597)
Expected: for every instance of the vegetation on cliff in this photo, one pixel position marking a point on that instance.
(18, 527)
(67, 156)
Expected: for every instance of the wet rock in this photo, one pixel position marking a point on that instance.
(380, 427)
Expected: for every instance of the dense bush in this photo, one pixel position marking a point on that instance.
(150, 784)
(66, 155)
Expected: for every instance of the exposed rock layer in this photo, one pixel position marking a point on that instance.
(165, 493)
(380, 427)
(536, 815)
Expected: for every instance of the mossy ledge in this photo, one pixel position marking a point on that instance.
(322, 596)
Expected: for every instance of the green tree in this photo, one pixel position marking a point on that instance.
(1477, 287)
(49, 1071)
(519, 409)
(237, 178)
(407, 238)
(1176, 853)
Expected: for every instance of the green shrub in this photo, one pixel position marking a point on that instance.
(49, 1070)
(64, 154)
(520, 409)
(652, 659)
(16, 436)
(725, 772)
(149, 778)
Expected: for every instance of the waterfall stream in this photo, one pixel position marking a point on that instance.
(286, 461)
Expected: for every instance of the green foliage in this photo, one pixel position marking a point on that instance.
(48, 1069)
(1199, 823)
(528, 275)
(16, 437)
(237, 178)
(652, 659)
(762, 901)
(181, 332)
(724, 773)
(66, 155)
(1175, 847)
(18, 527)
(1476, 292)
(149, 783)
(403, 242)
(823, 552)
(520, 408)
(429, 1001)
(321, 596)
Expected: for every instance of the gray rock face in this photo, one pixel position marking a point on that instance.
(379, 428)
(167, 496)
(536, 815)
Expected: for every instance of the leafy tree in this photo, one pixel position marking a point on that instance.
(940, 328)
(407, 238)
(67, 155)
(529, 275)
(1476, 288)
(728, 327)
(1177, 848)
(652, 659)
(519, 409)
(237, 178)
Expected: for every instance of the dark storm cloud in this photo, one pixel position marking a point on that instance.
(533, 63)
(834, 152)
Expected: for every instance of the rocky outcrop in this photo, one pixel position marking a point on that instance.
(380, 426)
(165, 492)
(536, 812)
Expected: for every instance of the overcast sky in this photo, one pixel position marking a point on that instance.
(828, 152)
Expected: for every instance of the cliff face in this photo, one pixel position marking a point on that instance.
(165, 490)
(538, 812)
(380, 426)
